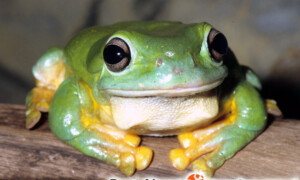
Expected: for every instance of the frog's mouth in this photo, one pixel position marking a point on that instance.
(187, 90)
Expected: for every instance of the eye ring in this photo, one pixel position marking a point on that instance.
(116, 55)
(217, 44)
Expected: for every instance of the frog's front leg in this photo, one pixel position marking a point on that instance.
(208, 148)
(49, 72)
(74, 118)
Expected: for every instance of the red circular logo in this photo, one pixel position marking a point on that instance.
(195, 177)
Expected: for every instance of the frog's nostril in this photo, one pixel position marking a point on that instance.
(159, 62)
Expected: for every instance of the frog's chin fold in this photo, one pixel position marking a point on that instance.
(174, 92)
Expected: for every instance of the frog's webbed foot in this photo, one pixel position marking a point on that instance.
(272, 108)
(114, 147)
(37, 101)
(48, 72)
(208, 148)
(76, 118)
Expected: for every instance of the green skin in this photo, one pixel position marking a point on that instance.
(149, 42)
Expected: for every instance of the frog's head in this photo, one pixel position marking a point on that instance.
(167, 59)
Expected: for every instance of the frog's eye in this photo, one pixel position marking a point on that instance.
(116, 55)
(217, 45)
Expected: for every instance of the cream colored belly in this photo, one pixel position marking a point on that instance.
(164, 115)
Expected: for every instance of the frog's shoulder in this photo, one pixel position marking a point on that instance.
(237, 72)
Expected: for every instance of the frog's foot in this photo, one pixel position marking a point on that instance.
(272, 108)
(37, 101)
(114, 147)
(208, 149)
(195, 144)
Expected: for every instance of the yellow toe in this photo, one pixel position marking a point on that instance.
(132, 140)
(143, 157)
(200, 165)
(179, 159)
(127, 165)
(187, 139)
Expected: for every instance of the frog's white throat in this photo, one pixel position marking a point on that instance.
(164, 115)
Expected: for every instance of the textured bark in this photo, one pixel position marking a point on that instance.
(39, 154)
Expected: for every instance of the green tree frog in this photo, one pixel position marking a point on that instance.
(113, 83)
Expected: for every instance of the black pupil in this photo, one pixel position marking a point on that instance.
(219, 44)
(113, 54)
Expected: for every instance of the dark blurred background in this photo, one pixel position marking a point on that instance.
(264, 35)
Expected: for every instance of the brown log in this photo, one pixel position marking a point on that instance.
(39, 154)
